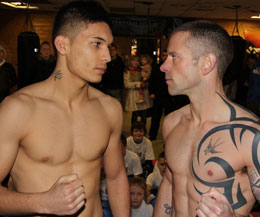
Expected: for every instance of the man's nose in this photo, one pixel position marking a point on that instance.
(165, 66)
(106, 56)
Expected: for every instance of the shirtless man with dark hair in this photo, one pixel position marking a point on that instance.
(55, 134)
(211, 144)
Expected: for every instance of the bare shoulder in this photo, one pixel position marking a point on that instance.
(174, 118)
(111, 106)
(19, 104)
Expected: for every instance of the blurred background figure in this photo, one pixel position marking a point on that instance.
(8, 77)
(45, 63)
(162, 101)
(132, 83)
(139, 207)
(113, 80)
(242, 81)
(253, 98)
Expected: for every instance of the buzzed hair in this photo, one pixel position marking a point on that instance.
(72, 16)
(208, 37)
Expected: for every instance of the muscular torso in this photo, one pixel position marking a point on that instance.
(212, 155)
(62, 142)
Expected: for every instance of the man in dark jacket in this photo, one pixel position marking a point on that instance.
(45, 63)
(158, 91)
(7, 75)
(113, 79)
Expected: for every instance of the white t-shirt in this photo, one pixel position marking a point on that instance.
(145, 210)
(132, 163)
(144, 149)
(154, 179)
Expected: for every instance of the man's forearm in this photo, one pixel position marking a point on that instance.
(13, 203)
(163, 204)
(119, 196)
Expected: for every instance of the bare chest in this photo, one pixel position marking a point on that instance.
(209, 154)
(55, 137)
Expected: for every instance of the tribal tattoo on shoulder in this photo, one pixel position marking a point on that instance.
(212, 149)
(58, 75)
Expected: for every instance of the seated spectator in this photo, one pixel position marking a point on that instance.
(132, 161)
(139, 208)
(142, 146)
(153, 181)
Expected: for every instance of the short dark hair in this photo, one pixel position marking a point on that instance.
(74, 15)
(44, 42)
(208, 37)
(139, 181)
(138, 126)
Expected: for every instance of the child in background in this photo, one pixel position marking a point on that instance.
(132, 161)
(139, 208)
(132, 83)
(142, 146)
(146, 68)
(154, 179)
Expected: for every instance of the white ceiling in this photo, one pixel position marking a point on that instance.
(217, 9)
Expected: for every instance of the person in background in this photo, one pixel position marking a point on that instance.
(211, 144)
(8, 77)
(56, 135)
(243, 79)
(142, 146)
(139, 208)
(154, 179)
(113, 80)
(45, 63)
(131, 159)
(162, 100)
(132, 83)
(146, 68)
(253, 97)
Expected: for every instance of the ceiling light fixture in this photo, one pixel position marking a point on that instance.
(255, 17)
(20, 5)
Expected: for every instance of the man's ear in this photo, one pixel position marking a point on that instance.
(208, 63)
(62, 44)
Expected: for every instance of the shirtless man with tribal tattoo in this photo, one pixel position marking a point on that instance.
(212, 144)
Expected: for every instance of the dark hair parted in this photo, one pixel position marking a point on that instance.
(76, 14)
(208, 37)
(138, 126)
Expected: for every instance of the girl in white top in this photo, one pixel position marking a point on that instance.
(139, 208)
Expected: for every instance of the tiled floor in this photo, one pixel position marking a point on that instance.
(157, 144)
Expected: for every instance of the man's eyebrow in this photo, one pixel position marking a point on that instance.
(99, 38)
(172, 53)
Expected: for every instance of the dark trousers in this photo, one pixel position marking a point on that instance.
(168, 105)
(140, 113)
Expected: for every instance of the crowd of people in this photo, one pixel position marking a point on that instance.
(61, 139)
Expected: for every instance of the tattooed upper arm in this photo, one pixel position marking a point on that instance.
(255, 183)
